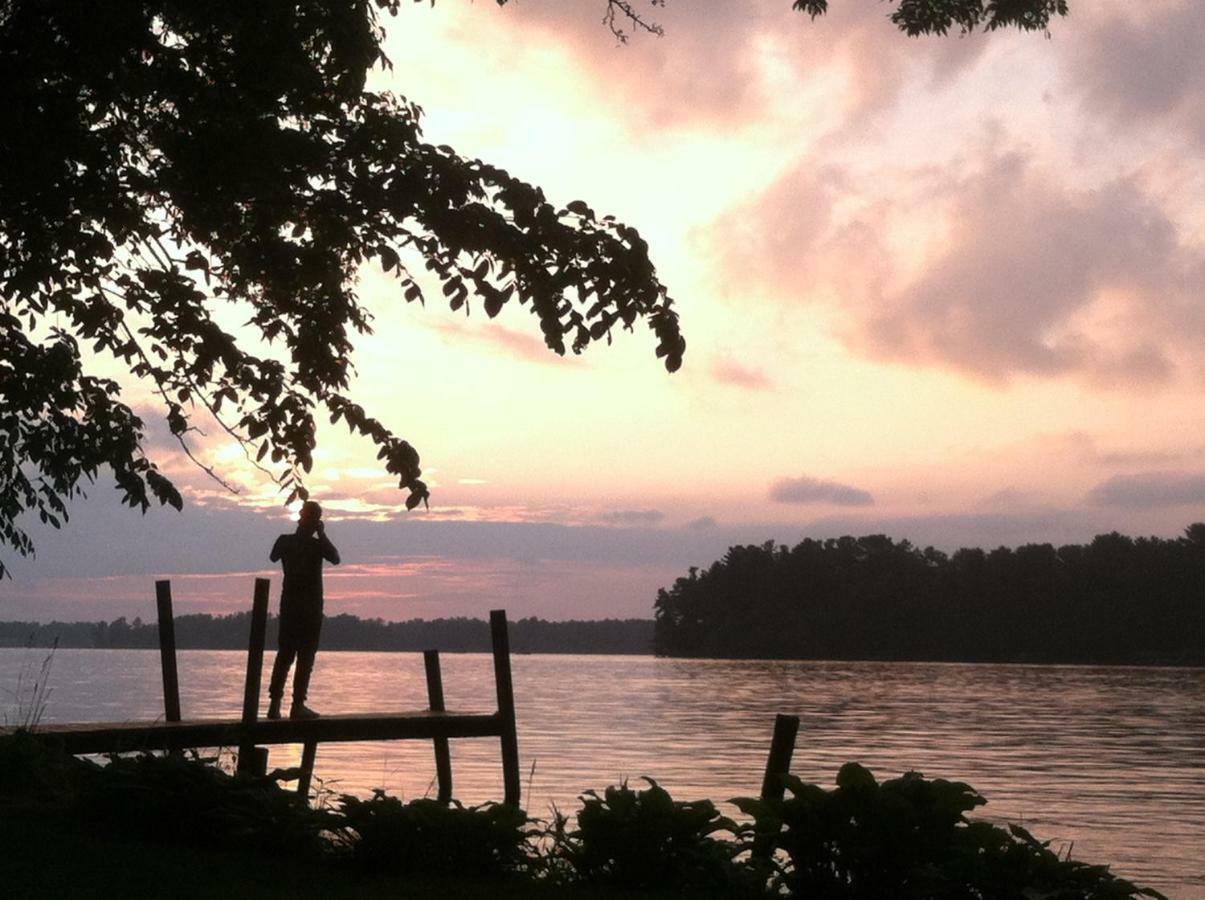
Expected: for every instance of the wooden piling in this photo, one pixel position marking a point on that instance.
(309, 751)
(167, 651)
(500, 638)
(247, 761)
(778, 764)
(435, 702)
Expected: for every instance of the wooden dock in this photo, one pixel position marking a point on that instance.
(249, 733)
(105, 737)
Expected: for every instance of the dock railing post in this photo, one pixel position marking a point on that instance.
(435, 702)
(167, 651)
(251, 760)
(500, 639)
(778, 764)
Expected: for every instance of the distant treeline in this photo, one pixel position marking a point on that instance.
(345, 632)
(1117, 600)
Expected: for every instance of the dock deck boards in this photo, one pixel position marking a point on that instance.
(117, 737)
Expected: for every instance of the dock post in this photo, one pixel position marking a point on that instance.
(167, 651)
(309, 751)
(511, 793)
(778, 764)
(435, 702)
(250, 760)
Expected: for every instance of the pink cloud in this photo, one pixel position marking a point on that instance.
(518, 344)
(730, 372)
(1143, 63)
(1032, 276)
(709, 65)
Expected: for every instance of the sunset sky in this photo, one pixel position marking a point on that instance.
(947, 289)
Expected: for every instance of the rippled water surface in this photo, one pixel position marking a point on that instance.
(1112, 759)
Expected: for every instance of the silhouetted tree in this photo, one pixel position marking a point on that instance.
(1116, 600)
(162, 162)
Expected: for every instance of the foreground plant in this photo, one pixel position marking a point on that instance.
(905, 839)
(909, 838)
(427, 836)
(646, 839)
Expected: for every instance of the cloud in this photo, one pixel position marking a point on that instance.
(1143, 64)
(1086, 449)
(950, 531)
(814, 490)
(1009, 497)
(1150, 490)
(722, 61)
(996, 269)
(729, 372)
(1040, 279)
(702, 523)
(631, 517)
(518, 344)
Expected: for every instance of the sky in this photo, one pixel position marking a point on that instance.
(946, 289)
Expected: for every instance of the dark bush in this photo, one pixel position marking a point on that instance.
(646, 839)
(430, 837)
(185, 799)
(909, 838)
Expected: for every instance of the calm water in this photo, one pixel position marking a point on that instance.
(1112, 759)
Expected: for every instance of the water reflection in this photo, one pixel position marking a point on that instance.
(1111, 759)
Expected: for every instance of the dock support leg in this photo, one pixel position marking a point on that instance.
(247, 757)
(167, 651)
(435, 702)
(506, 708)
(778, 764)
(308, 751)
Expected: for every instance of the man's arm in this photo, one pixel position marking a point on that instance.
(329, 553)
(277, 548)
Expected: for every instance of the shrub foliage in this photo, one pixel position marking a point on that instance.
(907, 838)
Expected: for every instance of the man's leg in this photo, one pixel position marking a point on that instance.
(307, 649)
(285, 653)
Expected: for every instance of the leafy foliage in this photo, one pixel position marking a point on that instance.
(910, 838)
(183, 799)
(646, 839)
(904, 838)
(917, 17)
(167, 165)
(429, 837)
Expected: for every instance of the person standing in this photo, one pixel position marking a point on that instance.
(300, 555)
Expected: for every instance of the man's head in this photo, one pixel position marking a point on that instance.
(309, 517)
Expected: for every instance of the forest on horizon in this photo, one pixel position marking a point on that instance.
(202, 631)
(1116, 600)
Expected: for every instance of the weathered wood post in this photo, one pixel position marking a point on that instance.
(309, 751)
(251, 759)
(778, 764)
(435, 702)
(167, 651)
(506, 708)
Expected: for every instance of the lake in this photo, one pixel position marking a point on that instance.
(1108, 760)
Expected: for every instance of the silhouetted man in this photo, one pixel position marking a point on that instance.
(301, 555)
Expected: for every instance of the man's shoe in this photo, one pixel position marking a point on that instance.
(274, 708)
(301, 711)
